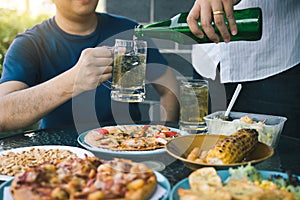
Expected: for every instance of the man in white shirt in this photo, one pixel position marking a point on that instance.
(269, 68)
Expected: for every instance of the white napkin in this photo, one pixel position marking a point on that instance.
(159, 193)
(205, 58)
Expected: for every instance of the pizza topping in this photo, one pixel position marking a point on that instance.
(161, 140)
(170, 133)
(59, 193)
(103, 131)
(134, 143)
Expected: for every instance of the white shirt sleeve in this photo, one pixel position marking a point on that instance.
(205, 58)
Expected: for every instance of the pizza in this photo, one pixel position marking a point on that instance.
(85, 179)
(130, 137)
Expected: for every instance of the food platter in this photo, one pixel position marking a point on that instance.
(224, 174)
(80, 152)
(163, 188)
(181, 146)
(135, 155)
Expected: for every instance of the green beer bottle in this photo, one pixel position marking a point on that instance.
(248, 21)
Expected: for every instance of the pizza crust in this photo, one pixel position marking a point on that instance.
(25, 193)
(145, 192)
(92, 138)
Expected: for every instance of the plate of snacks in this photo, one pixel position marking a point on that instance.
(87, 178)
(129, 141)
(14, 161)
(219, 151)
(244, 182)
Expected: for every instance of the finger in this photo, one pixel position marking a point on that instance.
(218, 13)
(111, 48)
(104, 78)
(228, 7)
(107, 70)
(100, 62)
(103, 70)
(103, 74)
(206, 19)
(104, 51)
(100, 71)
(192, 20)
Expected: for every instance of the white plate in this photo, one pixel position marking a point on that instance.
(133, 155)
(162, 181)
(79, 151)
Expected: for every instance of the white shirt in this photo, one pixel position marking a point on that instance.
(277, 51)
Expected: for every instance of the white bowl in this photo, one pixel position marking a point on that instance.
(269, 132)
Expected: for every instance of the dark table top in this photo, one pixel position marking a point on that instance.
(286, 156)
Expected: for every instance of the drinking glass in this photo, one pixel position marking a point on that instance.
(128, 81)
(193, 105)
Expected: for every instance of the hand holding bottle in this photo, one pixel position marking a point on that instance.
(248, 21)
(212, 10)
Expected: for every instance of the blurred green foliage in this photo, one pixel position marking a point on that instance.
(12, 23)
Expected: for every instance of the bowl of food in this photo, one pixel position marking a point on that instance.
(269, 127)
(219, 151)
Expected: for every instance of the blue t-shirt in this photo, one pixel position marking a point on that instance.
(44, 51)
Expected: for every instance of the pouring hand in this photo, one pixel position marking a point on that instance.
(212, 10)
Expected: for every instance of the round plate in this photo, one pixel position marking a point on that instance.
(79, 151)
(133, 155)
(180, 147)
(161, 180)
(224, 174)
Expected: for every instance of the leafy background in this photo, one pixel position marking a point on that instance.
(12, 23)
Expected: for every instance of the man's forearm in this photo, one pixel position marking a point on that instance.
(168, 89)
(22, 108)
(169, 107)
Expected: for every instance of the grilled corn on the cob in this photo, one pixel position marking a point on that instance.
(233, 148)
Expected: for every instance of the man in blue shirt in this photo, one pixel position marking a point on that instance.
(54, 71)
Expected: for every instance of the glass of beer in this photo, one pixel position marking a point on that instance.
(128, 81)
(193, 105)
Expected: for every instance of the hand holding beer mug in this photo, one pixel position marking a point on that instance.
(193, 105)
(128, 82)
